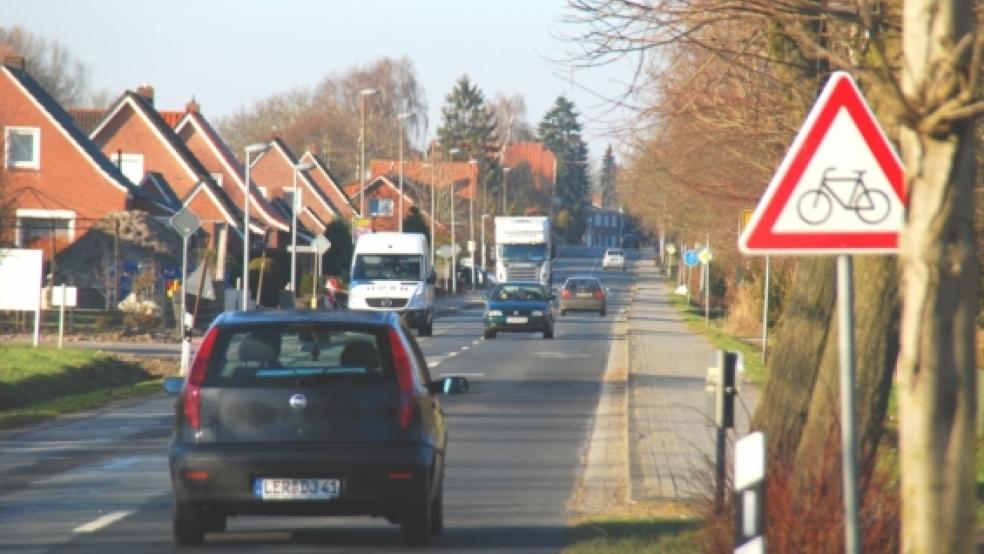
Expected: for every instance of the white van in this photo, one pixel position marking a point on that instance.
(392, 272)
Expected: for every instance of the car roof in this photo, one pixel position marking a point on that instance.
(519, 283)
(307, 316)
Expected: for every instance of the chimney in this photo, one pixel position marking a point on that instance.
(147, 92)
(15, 62)
(190, 107)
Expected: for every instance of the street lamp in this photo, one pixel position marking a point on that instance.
(505, 188)
(401, 118)
(432, 216)
(294, 206)
(484, 217)
(362, 140)
(454, 240)
(471, 220)
(256, 148)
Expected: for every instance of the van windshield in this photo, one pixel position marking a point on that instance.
(388, 267)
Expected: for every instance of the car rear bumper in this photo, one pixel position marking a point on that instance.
(500, 326)
(375, 479)
(582, 304)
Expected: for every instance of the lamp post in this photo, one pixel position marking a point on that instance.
(294, 206)
(454, 240)
(256, 148)
(401, 118)
(484, 217)
(505, 189)
(362, 140)
(471, 220)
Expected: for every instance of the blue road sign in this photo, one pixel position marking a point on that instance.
(691, 258)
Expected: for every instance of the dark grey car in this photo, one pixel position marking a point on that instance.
(308, 413)
(583, 293)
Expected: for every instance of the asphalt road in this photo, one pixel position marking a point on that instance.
(100, 483)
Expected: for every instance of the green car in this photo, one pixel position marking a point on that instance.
(519, 307)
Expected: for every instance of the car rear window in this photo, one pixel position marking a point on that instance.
(589, 285)
(614, 252)
(280, 355)
(518, 292)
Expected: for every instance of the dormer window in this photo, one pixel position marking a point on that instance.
(22, 148)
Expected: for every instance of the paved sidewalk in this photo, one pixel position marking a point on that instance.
(671, 433)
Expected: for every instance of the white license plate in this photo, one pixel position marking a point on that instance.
(296, 489)
(515, 319)
(584, 295)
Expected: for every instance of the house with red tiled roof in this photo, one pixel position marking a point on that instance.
(542, 162)
(57, 182)
(382, 196)
(463, 174)
(275, 175)
(327, 182)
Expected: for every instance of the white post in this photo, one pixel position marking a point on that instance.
(61, 314)
(765, 311)
(845, 333)
(181, 317)
(293, 237)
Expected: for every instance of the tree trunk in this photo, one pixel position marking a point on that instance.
(876, 333)
(937, 366)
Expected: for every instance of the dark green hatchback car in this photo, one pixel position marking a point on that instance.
(519, 307)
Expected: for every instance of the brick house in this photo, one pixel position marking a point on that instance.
(55, 181)
(143, 144)
(328, 184)
(382, 195)
(542, 162)
(274, 173)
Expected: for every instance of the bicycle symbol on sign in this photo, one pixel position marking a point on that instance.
(816, 205)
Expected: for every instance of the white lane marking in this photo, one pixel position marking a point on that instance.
(476, 341)
(433, 364)
(560, 355)
(466, 347)
(100, 522)
(452, 354)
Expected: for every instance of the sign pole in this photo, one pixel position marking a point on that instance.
(765, 310)
(61, 315)
(845, 331)
(185, 338)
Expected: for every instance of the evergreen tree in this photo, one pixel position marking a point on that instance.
(560, 132)
(467, 122)
(338, 258)
(606, 181)
(415, 223)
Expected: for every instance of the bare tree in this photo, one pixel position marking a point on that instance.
(61, 74)
(510, 118)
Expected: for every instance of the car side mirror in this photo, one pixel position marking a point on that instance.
(449, 385)
(173, 385)
(432, 278)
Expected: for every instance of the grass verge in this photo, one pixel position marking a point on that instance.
(45, 382)
(751, 355)
(634, 535)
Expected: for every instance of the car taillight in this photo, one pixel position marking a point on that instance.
(404, 376)
(599, 294)
(192, 395)
(566, 294)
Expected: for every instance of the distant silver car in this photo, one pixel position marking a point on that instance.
(614, 259)
(583, 293)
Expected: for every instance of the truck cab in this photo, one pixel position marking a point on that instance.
(392, 272)
(523, 250)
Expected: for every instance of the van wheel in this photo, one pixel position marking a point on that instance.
(188, 524)
(437, 512)
(548, 332)
(563, 312)
(488, 334)
(426, 330)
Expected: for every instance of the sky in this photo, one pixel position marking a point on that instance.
(229, 54)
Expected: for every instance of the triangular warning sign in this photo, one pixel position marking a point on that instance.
(839, 190)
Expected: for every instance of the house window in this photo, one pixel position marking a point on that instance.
(132, 167)
(289, 194)
(380, 207)
(217, 177)
(38, 228)
(263, 191)
(23, 147)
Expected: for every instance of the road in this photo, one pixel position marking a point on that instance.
(100, 483)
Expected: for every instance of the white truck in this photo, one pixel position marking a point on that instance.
(392, 272)
(523, 249)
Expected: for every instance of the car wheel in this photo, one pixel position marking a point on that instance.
(563, 312)
(548, 332)
(426, 330)
(602, 312)
(188, 524)
(437, 512)
(415, 523)
(488, 334)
